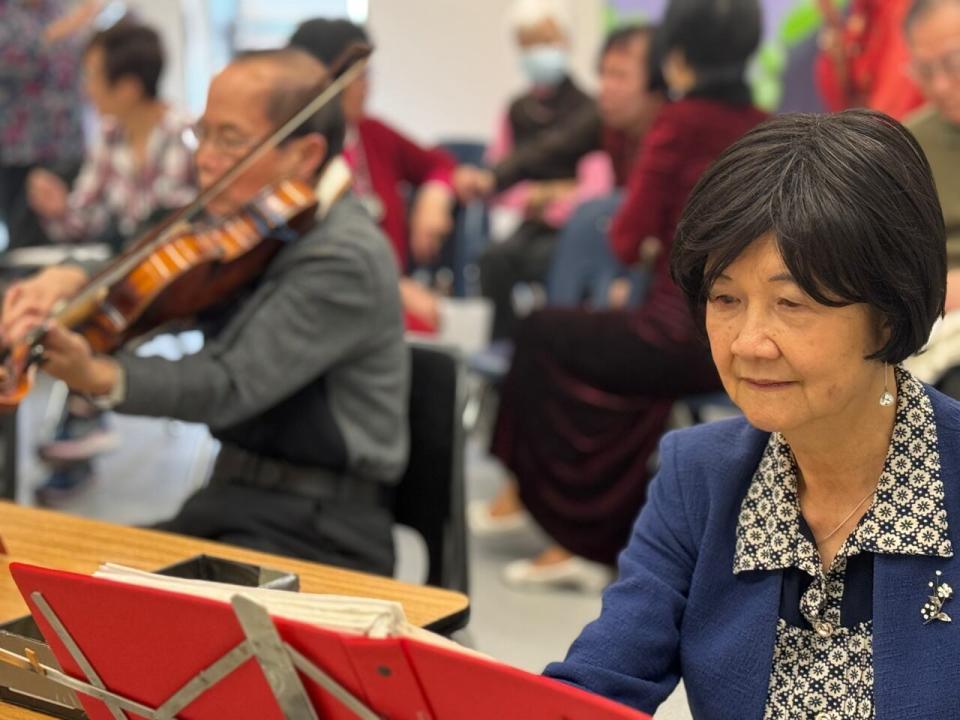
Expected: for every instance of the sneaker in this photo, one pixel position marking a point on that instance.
(574, 573)
(64, 483)
(81, 448)
(493, 362)
(80, 438)
(483, 523)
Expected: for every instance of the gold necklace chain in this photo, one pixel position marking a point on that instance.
(843, 522)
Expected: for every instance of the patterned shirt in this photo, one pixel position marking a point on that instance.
(823, 658)
(113, 196)
(40, 103)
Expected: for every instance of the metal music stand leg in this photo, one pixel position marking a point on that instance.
(276, 664)
(278, 660)
(258, 626)
(77, 654)
(321, 678)
(204, 680)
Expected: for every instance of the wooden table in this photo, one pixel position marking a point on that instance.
(51, 539)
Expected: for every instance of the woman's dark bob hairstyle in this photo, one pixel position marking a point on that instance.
(851, 203)
(711, 33)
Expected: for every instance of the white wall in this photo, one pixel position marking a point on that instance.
(444, 69)
(168, 19)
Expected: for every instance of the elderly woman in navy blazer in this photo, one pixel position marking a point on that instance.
(799, 562)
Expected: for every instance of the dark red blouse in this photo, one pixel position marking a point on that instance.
(686, 137)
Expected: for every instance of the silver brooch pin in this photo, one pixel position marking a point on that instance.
(933, 608)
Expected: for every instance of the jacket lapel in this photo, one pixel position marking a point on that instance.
(730, 633)
(917, 666)
(759, 600)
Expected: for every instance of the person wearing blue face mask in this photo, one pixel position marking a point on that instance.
(545, 65)
(541, 30)
(542, 206)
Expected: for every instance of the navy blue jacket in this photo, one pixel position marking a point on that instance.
(678, 611)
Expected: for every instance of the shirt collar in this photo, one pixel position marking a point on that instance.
(908, 515)
(333, 184)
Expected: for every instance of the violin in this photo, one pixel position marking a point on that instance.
(182, 267)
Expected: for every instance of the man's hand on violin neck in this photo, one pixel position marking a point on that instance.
(28, 303)
(67, 356)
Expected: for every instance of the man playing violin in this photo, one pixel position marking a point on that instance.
(305, 379)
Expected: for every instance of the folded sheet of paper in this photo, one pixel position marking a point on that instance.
(368, 617)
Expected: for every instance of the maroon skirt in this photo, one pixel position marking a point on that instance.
(581, 413)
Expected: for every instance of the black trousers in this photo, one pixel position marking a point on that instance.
(524, 257)
(344, 533)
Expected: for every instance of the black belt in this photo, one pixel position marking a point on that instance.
(235, 466)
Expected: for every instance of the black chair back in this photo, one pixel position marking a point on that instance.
(430, 496)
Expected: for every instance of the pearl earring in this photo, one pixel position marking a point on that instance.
(886, 400)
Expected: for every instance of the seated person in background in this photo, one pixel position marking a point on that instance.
(382, 160)
(305, 378)
(627, 102)
(542, 32)
(140, 167)
(932, 31)
(799, 562)
(863, 59)
(41, 112)
(933, 36)
(584, 267)
(588, 394)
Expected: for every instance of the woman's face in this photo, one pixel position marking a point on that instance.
(788, 362)
(100, 92)
(354, 98)
(679, 75)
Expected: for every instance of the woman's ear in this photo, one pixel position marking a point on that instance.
(884, 329)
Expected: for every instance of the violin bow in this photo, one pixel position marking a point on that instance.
(344, 71)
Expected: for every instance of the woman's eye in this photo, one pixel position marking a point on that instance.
(723, 300)
(789, 304)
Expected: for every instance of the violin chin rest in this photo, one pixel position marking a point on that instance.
(14, 390)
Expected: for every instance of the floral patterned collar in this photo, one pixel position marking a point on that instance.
(908, 515)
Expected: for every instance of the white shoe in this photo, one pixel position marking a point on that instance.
(575, 573)
(90, 445)
(484, 524)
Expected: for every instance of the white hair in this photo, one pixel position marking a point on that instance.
(526, 14)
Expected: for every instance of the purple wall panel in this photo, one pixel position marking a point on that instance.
(773, 10)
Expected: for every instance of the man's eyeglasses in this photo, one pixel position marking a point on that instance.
(924, 72)
(224, 140)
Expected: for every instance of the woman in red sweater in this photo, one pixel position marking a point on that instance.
(863, 59)
(384, 162)
(588, 394)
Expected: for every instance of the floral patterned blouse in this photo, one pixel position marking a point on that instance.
(112, 196)
(822, 661)
(40, 98)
